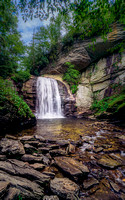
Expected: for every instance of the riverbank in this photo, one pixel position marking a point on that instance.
(90, 166)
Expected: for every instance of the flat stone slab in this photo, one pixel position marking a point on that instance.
(90, 182)
(52, 197)
(28, 189)
(19, 168)
(31, 158)
(38, 166)
(64, 188)
(11, 147)
(108, 162)
(71, 166)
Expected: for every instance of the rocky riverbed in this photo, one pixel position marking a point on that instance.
(89, 168)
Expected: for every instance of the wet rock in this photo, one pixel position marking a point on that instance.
(50, 174)
(57, 152)
(90, 182)
(108, 162)
(64, 188)
(13, 193)
(41, 144)
(32, 143)
(26, 138)
(19, 168)
(4, 185)
(115, 187)
(52, 197)
(44, 150)
(11, 137)
(29, 149)
(28, 189)
(53, 146)
(71, 166)
(11, 147)
(3, 157)
(71, 149)
(38, 166)
(97, 150)
(62, 143)
(31, 158)
(40, 138)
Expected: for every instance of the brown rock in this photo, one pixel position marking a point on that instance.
(38, 166)
(29, 149)
(11, 147)
(4, 185)
(115, 187)
(71, 148)
(64, 188)
(26, 138)
(31, 159)
(2, 157)
(52, 197)
(13, 193)
(40, 138)
(44, 150)
(90, 182)
(28, 189)
(19, 168)
(57, 152)
(108, 162)
(71, 166)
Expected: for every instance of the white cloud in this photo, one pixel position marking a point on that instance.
(26, 28)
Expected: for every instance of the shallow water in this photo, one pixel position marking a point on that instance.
(65, 128)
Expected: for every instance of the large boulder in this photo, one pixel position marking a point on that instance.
(19, 168)
(72, 167)
(28, 189)
(11, 147)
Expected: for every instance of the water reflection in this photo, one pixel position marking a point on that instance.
(65, 128)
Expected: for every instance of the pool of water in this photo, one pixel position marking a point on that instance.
(65, 128)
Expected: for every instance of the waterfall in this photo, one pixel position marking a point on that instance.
(48, 104)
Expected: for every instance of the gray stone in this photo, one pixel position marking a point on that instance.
(29, 149)
(64, 188)
(40, 138)
(57, 152)
(13, 193)
(3, 157)
(26, 138)
(11, 147)
(28, 189)
(19, 168)
(52, 197)
(31, 158)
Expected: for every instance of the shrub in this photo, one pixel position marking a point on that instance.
(9, 99)
(72, 77)
(21, 76)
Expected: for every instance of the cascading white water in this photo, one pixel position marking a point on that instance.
(48, 104)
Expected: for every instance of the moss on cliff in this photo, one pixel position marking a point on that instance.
(14, 112)
(111, 106)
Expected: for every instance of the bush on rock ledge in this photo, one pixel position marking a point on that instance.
(14, 112)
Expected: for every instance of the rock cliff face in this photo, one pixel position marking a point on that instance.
(100, 80)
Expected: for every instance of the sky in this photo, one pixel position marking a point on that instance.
(26, 28)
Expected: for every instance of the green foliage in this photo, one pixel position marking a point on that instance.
(112, 104)
(21, 76)
(72, 77)
(11, 46)
(8, 95)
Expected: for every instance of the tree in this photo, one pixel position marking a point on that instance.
(11, 46)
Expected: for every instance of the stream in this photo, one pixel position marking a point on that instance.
(91, 154)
